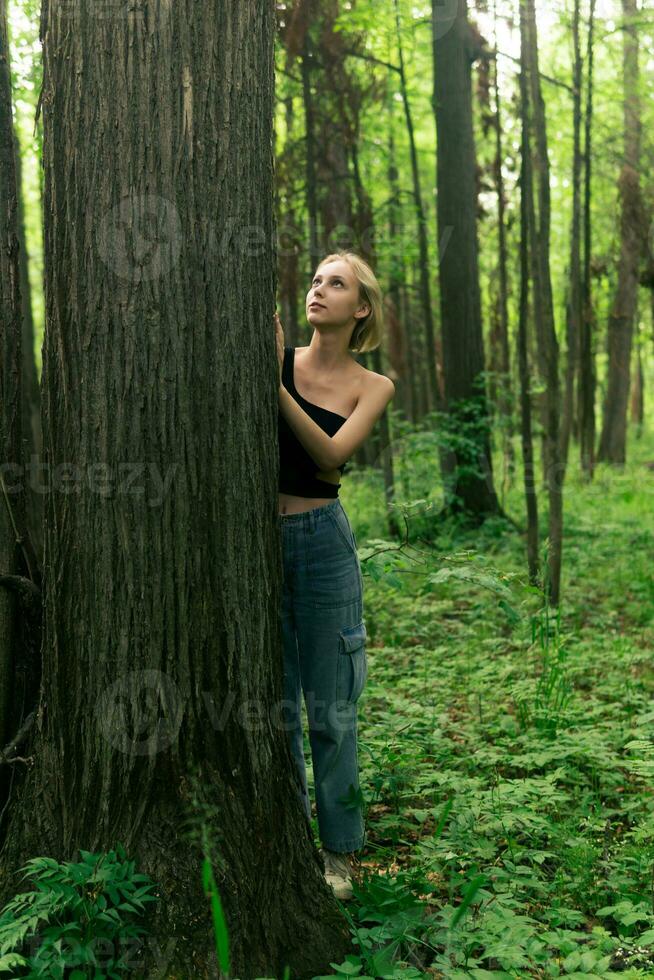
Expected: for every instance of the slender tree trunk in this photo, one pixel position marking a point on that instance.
(613, 439)
(400, 348)
(575, 298)
(12, 484)
(543, 303)
(526, 212)
(370, 452)
(637, 400)
(290, 287)
(382, 455)
(472, 487)
(587, 380)
(315, 245)
(31, 397)
(435, 394)
(161, 688)
(500, 337)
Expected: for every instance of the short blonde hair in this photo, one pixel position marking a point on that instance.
(368, 332)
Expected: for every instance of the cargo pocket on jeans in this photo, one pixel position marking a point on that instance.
(352, 662)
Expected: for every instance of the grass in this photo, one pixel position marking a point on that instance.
(506, 752)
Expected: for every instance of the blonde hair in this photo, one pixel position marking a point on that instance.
(368, 332)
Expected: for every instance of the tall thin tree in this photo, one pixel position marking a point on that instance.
(12, 474)
(587, 377)
(472, 488)
(434, 392)
(539, 226)
(574, 311)
(613, 439)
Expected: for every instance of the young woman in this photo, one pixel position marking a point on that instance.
(328, 405)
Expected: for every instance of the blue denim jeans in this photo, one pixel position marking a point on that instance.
(325, 657)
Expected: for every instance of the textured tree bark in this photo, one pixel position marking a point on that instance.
(539, 223)
(472, 489)
(334, 136)
(587, 379)
(613, 439)
(162, 687)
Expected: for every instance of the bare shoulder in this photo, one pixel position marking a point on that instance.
(378, 383)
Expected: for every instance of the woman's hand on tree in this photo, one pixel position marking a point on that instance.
(279, 333)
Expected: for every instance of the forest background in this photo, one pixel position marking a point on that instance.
(529, 805)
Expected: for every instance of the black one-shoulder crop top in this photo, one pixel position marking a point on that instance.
(297, 469)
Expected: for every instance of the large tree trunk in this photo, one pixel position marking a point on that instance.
(613, 439)
(543, 304)
(335, 135)
(587, 379)
(472, 489)
(159, 411)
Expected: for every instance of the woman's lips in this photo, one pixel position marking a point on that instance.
(319, 305)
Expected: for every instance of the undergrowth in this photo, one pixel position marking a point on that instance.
(505, 747)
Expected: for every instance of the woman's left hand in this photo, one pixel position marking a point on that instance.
(279, 332)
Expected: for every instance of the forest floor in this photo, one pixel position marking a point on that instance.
(506, 753)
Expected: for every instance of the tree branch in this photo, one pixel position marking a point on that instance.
(7, 754)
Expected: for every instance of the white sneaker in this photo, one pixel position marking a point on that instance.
(338, 873)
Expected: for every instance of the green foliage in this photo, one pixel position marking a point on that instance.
(78, 918)
(506, 761)
(221, 933)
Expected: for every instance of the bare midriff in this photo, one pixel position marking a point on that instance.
(290, 504)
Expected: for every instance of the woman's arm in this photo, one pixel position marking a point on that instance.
(330, 452)
(316, 442)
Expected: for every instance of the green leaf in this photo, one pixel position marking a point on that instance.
(220, 926)
(469, 895)
(11, 961)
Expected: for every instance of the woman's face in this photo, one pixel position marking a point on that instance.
(336, 289)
